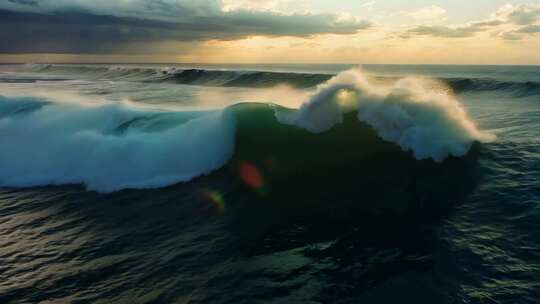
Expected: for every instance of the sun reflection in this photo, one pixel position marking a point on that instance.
(343, 94)
(346, 98)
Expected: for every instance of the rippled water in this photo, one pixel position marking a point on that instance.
(211, 241)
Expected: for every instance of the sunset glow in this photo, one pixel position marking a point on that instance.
(248, 31)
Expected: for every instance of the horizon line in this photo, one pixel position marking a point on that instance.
(276, 63)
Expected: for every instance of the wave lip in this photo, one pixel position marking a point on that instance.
(430, 124)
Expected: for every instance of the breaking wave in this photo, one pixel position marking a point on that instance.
(108, 147)
(431, 124)
(114, 146)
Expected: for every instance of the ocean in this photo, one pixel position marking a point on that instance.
(270, 183)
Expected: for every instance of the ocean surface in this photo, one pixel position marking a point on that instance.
(269, 184)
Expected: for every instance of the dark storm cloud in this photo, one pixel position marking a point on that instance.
(50, 26)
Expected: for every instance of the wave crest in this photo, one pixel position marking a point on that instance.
(108, 147)
(431, 124)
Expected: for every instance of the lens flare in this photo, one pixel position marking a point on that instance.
(216, 199)
(251, 175)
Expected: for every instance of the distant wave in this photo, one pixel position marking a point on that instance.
(260, 79)
(189, 76)
(518, 88)
(116, 146)
(245, 79)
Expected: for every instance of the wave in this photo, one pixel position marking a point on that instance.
(108, 147)
(430, 124)
(347, 177)
(262, 79)
(222, 78)
(98, 71)
(114, 146)
(245, 79)
(517, 88)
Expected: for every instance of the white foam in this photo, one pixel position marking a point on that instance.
(65, 143)
(430, 123)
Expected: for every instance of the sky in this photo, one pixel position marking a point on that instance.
(271, 31)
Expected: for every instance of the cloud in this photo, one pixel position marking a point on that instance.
(427, 13)
(524, 18)
(369, 5)
(520, 33)
(441, 31)
(265, 5)
(529, 29)
(162, 10)
(523, 14)
(138, 26)
(467, 30)
(509, 36)
(510, 22)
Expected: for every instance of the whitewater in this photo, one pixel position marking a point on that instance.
(116, 145)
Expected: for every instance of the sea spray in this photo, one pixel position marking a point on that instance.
(430, 123)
